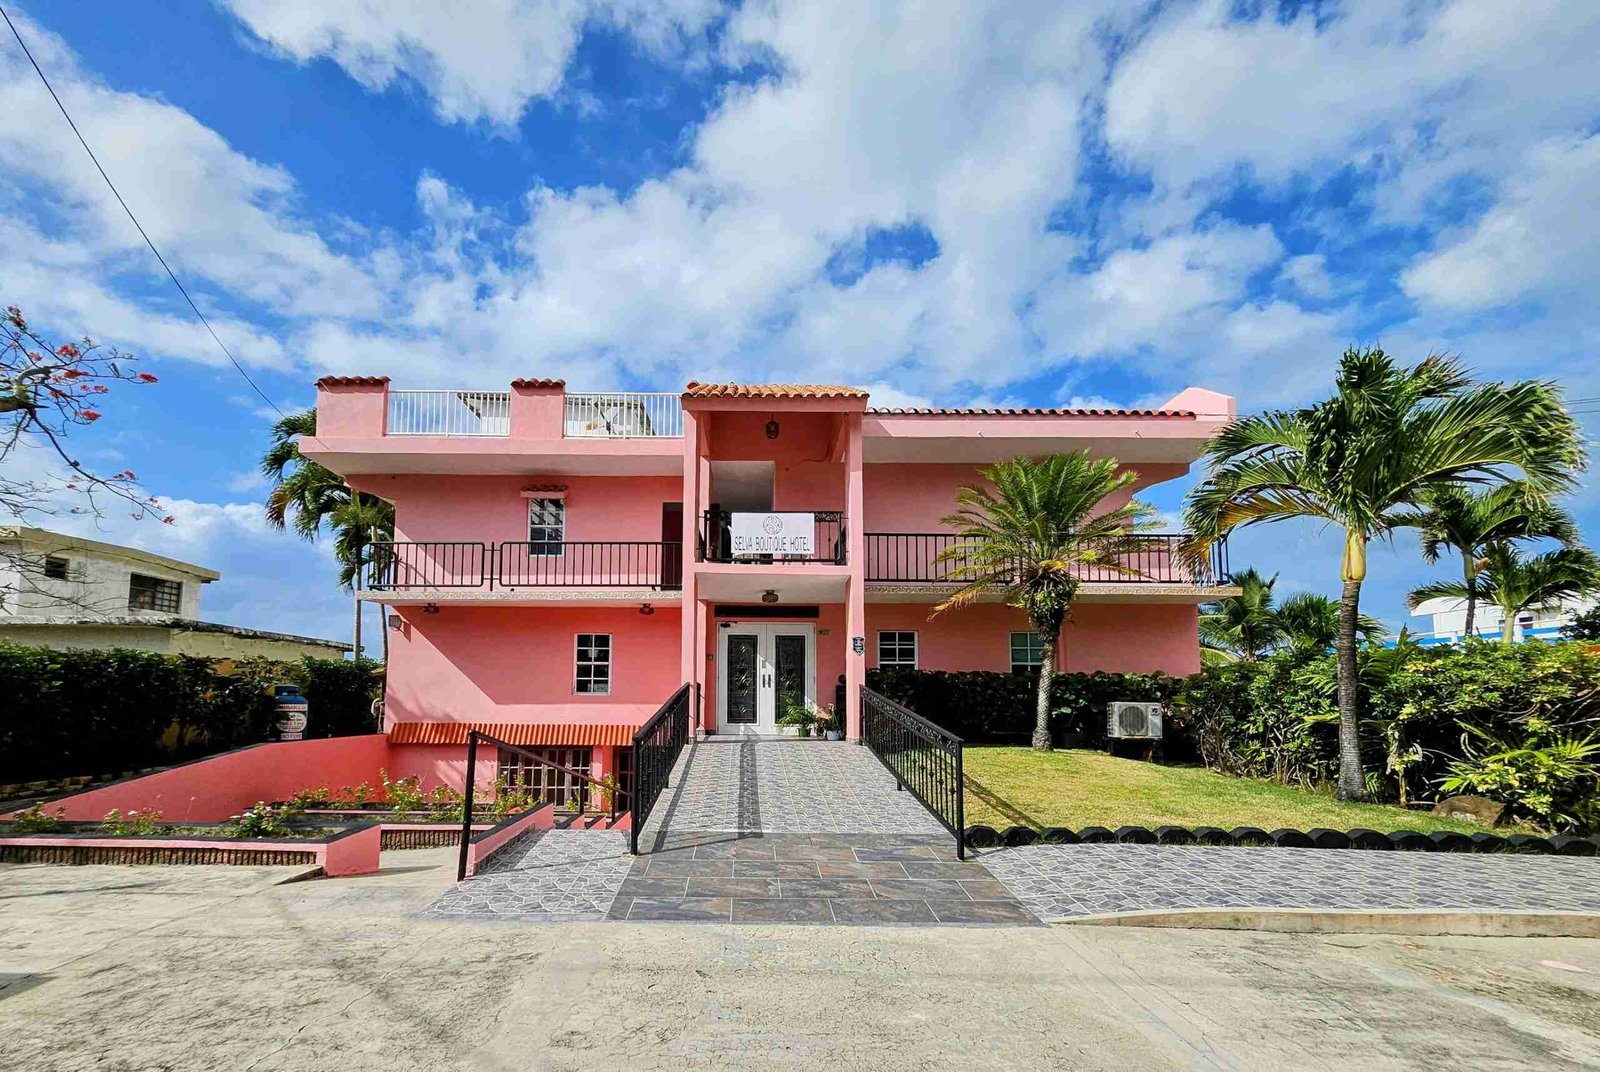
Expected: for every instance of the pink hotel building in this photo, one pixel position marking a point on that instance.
(562, 563)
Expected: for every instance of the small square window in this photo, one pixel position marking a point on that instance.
(154, 593)
(1027, 652)
(55, 567)
(593, 664)
(547, 525)
(897, 648)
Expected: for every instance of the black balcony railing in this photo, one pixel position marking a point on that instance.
(595, 564)
(913, 557)
(591, 564)
(656, 747)
(717, 544)
(923, 758)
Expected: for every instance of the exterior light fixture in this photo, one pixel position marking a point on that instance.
(430, 608)
(396, 622)
(646, 609)
(769, 596)
(772, 428)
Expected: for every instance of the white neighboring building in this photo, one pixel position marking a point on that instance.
(1542, 622)
(59, 591)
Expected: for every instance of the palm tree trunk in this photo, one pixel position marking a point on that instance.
(1047, 675)
(1472, 592)
(1352, 779)
(357, 599)
(1508, 624)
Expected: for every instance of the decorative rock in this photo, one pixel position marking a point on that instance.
(1135, 835)
(1292, 839)
(1174, 835)
(1472, 808)
(1012, 836)
(1487, 842)
(1529, 843)
(1058, 835)
(982, 837)
(1096, 835)
(1568, 845)
(1362, 838)
(1411, 841)
(1250, 835)
(1212, 835)
(1450, 841)
(1323, 838)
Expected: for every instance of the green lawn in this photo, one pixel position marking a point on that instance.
(1075, 788)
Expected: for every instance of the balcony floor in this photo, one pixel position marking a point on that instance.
(526, 597)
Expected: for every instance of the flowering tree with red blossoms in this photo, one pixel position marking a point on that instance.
(47, 392)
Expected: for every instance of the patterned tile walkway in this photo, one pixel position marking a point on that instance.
(1062, 882)
(787, 786)
(544, 876)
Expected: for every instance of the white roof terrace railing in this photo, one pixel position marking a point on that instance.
(623, 415)
(593, 415)
(449, 413)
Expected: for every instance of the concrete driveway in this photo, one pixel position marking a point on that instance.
(214, 968)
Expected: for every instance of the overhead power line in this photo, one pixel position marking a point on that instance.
(137, 225)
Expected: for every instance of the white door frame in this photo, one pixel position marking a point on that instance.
(766, 634)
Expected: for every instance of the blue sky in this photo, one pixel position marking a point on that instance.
(958, 203)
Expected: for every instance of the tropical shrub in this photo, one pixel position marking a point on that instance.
(262, 820)
(135, 823)
(1556, 784)
(72, 713)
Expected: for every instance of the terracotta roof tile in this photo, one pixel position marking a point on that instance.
(771, 390)
(352, 381)
(526, 384)
(906, 411)
(554, 734)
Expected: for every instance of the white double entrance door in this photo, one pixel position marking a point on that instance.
(762, 668)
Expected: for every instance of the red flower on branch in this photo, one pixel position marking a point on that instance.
(90, 415)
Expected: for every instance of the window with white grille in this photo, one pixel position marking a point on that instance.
(897, 647)
(154, 593)
(1027, 652)
(547, 526)
(594, 663)
(551, 786)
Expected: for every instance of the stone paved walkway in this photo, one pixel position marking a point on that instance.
(569, 876)
(785, 786)
(1063, 882)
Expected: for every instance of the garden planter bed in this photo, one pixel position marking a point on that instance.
(347, 850)
(986, 837)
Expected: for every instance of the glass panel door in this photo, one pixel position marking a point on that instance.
(790, 659)
(743, 671)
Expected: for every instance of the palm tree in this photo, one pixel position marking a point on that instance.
(1456, 518)
(1514, 583)
(1030, 539)
(1241, 628)
(306, 496)
(1309, 623)
(1387, 437)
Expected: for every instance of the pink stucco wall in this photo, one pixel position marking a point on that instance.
(491, 509)
(1113, 637)
(913, 497)
(354, 854)
(212, 790)
(516, 664)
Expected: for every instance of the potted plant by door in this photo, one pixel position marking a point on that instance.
(797, 715)
(831, 728)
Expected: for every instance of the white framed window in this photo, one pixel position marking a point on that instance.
(1027, 652)
(154, 593)
(547, 526)
(593, 674)
(897, 648)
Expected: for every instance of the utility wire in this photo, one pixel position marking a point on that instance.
(137, 225)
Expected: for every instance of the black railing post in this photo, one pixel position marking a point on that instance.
(633, 804)
(466, 813)
(961, 805)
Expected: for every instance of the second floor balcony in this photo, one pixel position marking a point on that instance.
(490, 414)
(772, 537)
(401, 567)
(914, 558)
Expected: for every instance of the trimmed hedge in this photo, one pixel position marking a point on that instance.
(71, 713)
(986, 707)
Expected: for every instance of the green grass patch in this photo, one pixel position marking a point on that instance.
(1076, 788)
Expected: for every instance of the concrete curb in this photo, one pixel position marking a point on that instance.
(1360, 921)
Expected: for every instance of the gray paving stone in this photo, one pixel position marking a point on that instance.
(785, 910)
(883, 912)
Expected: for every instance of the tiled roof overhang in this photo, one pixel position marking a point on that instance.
(771, 390)
(526, 384)
(352, 381)
(551, 734)
(905, 411)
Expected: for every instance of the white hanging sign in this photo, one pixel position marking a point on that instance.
(772, 534)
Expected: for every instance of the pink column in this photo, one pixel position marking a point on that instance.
(692, 623)
(855, 617)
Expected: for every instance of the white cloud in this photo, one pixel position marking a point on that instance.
(1539, 239)
(484, 60)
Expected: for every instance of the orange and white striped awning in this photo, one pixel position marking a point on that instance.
(544, 734)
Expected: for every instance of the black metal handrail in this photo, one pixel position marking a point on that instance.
(828, 539)
(924, 758)
(913, 557)
(584, 780)
(428, 564)
(656, 747)
(590, 563)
